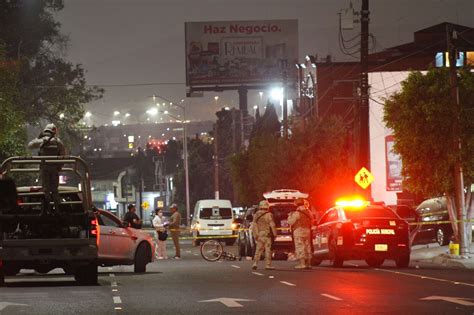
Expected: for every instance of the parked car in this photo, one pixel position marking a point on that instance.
(245, 241)
(121, 244)
(432, 214)
(281, 204)
(361, 230)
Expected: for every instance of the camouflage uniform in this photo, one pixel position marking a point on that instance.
(300, 221)
(263, 227)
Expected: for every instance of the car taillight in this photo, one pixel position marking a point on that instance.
(95, 230)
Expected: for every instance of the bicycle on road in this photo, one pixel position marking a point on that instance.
(212, 250)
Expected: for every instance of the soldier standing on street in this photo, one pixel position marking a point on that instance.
(49, 144)
(300, 221)
(263, 230)
(175, 221)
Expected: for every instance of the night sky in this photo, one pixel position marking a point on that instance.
(137, 42)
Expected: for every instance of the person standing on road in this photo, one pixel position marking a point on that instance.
(161, 235)
(263, 230)
(300, 220)
(132, 218)
(175, 221)
(49, 144)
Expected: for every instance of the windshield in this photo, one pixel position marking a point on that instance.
(215, 213)
(370, 212)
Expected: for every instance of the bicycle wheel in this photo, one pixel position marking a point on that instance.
(211, 250)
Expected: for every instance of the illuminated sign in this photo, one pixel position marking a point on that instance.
(364, 178)
(379, 232)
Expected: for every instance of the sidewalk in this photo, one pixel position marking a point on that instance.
(439, 255)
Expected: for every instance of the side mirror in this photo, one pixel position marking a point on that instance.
(249, 217)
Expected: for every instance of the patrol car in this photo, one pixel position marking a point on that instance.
(281, 203)
(359, 230)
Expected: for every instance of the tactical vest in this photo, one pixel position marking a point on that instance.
(304, 220)
(50, 147)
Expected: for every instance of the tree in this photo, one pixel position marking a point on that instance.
(313, 160)
(49, 88)
(11, 129)
(421, 117)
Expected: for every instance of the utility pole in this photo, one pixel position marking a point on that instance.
(364, 132)
(456, 145)
(285, 103)
(216, 165)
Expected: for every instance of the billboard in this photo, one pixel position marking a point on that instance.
(393, 164)
(240, 52)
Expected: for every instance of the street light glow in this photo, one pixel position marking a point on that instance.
(276, 94)
(61, 116)
(152, 111)
(216, 97)
(88, 114)
(116, 113)
(127, 114)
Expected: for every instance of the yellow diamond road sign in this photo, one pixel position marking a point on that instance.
(364, 178)
(145, 205)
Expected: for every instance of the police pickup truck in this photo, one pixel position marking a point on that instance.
(33, 238)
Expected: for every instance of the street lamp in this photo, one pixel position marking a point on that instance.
(185, 151)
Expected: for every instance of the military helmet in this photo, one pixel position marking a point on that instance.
(264, 205)
(51, 128)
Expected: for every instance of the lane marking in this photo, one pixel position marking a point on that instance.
(425, 277)
(113, 284)
(117, 300)
(271, 277)
(331, 296)
(257, 273)
(114, 290)
(118, 308)
(234, 266)
(288, 283)
(111, 275)
(188, 251)
(196, 254)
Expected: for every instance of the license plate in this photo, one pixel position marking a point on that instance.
(381, 247)
(215, 228)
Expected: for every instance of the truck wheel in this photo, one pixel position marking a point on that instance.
(87, 275)
(374, 261)
(403, 260)
(140, 259)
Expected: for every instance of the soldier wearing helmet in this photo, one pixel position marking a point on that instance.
(263, 230)
(49, 144)
(300, 220)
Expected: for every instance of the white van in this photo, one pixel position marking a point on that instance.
(213, 218)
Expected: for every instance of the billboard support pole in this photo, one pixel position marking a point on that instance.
(285, 104)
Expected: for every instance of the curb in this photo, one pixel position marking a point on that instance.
(446, 260)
